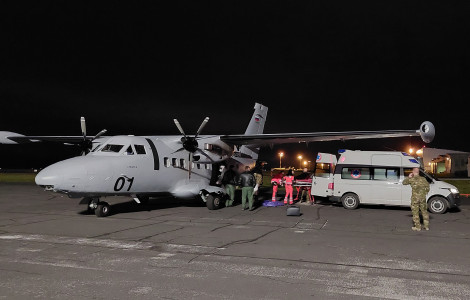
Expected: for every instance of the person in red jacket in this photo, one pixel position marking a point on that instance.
(288, 182)
(276, 181)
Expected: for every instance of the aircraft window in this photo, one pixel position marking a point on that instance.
(166, 162)
(139, 149)
(198, 166)
(174, 162)
(129, 151)
(182, 163)
(206, 166)
(112, 148)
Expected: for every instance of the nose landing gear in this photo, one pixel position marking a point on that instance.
(94, 205)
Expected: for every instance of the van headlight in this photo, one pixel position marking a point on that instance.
(454, 191)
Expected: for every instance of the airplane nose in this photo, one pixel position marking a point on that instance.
(65, 175)
(49, 177)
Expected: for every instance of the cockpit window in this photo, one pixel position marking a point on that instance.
(112, 148)
(139, 149)
(129, 151)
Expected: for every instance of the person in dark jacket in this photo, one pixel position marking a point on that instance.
(247, 181)
(229, 180)
(303, 176)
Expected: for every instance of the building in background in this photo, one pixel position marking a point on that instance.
(445, 161)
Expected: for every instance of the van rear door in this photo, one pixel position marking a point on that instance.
(322, 180)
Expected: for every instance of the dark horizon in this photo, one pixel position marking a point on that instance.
(318, 66)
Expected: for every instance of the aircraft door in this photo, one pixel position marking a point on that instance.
(322, 179)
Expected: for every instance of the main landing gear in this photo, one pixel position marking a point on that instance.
(100, 208)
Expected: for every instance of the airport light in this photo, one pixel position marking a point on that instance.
(281, 154)
(300, 158)
(411, 150)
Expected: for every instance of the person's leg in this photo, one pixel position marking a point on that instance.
(423, 207)
(415, 212)
(291, 190)
(244, 196)
(274, 192)
(232, 194)
(251, 199)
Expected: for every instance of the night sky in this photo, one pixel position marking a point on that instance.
(131, 67)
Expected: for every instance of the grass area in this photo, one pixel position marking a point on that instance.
(463, 185)
(17, 177)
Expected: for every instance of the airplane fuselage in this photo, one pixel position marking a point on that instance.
(135, 165)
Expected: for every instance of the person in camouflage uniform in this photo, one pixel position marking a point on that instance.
(419, 190)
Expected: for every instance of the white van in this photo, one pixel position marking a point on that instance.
(376, 177)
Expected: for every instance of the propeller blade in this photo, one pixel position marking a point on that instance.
(190, 167)
(100, 134)
(179, 127)
(202, 126)
(205, 154)
(179, 150)
(83, 124)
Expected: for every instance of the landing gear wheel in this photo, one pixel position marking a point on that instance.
(350, 201)
(213, 201)
(102, 210)
(438, 205)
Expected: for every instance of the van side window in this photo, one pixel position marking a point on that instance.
(356, 173)
(390, 174)
(139, 149)
(166, 162)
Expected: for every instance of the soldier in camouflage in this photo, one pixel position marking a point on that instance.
(419, 190)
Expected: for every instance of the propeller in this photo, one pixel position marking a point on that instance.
(87, 143)
(190, 143)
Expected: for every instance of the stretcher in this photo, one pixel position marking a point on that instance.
(301, 184)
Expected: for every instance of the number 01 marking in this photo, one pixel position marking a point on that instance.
(121, 181)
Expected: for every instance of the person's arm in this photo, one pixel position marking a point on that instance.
(406, 181)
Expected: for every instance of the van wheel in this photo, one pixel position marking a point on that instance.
(438, 205)
(350, 201)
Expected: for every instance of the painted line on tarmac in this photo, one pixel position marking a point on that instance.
(115, 244)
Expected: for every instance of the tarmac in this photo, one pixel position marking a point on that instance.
(174, 249)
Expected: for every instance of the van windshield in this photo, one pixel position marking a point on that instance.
(429, 177)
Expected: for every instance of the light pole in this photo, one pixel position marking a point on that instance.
(281, 154)
(300, 158)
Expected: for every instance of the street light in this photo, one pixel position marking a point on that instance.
(300, 158)
(281, 154)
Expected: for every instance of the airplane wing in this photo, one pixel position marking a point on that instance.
(7, 137)
(426, 131)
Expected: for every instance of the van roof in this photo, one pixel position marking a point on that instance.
(378, 158)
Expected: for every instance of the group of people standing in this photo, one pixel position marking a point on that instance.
(249, 181)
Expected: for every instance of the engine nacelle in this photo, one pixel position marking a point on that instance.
(427, 131)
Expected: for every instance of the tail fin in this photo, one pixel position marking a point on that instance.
(256, 126)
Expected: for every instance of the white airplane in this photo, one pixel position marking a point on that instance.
(181, 166)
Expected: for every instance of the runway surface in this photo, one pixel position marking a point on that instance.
(174, 249)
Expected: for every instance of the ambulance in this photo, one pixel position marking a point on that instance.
(376, 177)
